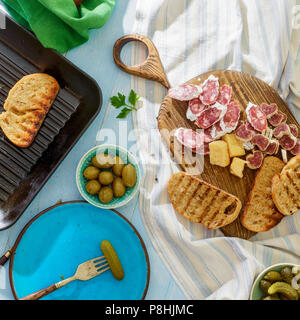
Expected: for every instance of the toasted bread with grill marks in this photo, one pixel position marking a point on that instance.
(286, 188)
(201, 202)
(260, 213)
(26, 107)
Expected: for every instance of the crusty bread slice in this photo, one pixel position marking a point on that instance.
(26, 107)
(201, 202)
(286, 188)
(260, 213)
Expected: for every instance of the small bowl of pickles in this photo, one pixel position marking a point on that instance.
(277, 282)
(108, 176)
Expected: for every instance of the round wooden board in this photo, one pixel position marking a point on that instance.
(172, 115)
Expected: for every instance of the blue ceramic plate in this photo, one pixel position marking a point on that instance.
(57, 240)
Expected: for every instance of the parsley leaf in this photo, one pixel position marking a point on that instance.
(133, 97)
(123, 114)
(120, 101)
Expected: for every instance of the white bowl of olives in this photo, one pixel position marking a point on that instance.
(108, 176)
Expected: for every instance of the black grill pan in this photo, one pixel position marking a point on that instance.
(23, 172)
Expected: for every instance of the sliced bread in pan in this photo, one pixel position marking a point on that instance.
(260, 213)
(200, 202)
(286, 188)
(26, 107)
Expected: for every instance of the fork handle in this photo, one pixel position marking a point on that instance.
(43, 292)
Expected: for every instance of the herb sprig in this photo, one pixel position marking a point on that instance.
(120, 101)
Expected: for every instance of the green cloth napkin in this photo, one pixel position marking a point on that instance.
(59, 24)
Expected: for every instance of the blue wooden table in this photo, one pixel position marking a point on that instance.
(95, 58)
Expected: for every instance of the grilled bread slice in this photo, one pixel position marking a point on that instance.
(26, 107)
(201, 202)
(260, 213)
(286, 188)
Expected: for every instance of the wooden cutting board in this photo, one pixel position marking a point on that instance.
(172, 115)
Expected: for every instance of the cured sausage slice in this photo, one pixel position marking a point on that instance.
(210, 90)
(214, 132)
(189, 138)
(255, 160)
(184, 92)
(192, 140)
(256, 117)
(294, 130)
(260, 141)
(288, 142)
(296, 150)
(282, 130)
(277, 119)
(225, 95)
(243, 134)
(273, 147)
(269, 109)
(231, 118)
(250, 128)
(211, 115)
(194, 109)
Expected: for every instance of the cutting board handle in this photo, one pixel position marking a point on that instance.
(151, 68)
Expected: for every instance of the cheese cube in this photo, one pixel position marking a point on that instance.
(237, 167)
(218, 153)
(235, 146)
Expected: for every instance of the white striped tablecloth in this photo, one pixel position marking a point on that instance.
(260, 37)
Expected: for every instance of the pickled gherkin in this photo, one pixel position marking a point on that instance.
(112, 259)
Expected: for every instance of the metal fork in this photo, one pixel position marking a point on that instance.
(85, 271)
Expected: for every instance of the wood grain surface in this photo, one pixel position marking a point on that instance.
(172, 115)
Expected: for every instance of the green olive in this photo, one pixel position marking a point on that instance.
(118, 187)
(91, 173)
(285, 289)
(118, 166)
(106, 177)
(273, 297)
(106, 194)
(264, 286)
(102, 161)
(129, 176)
(287, 275)
(273, 276)
(93, 187)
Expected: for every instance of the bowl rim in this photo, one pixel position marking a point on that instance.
(126, 200)
(266, 270)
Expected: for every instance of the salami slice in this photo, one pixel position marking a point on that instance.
(269, 109)
(260, 141)
(294, 130)
(231, 118)
(184, 92)
(225, 95)
(211, 115)
(189, 138)
(288, 142)
(213, 133)
(296, 150)
(194, 109)
(255, 160)
(273, 147)
(243, 134)
(256, 117)
(282, 130)
(277, 119)
(210, 90)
